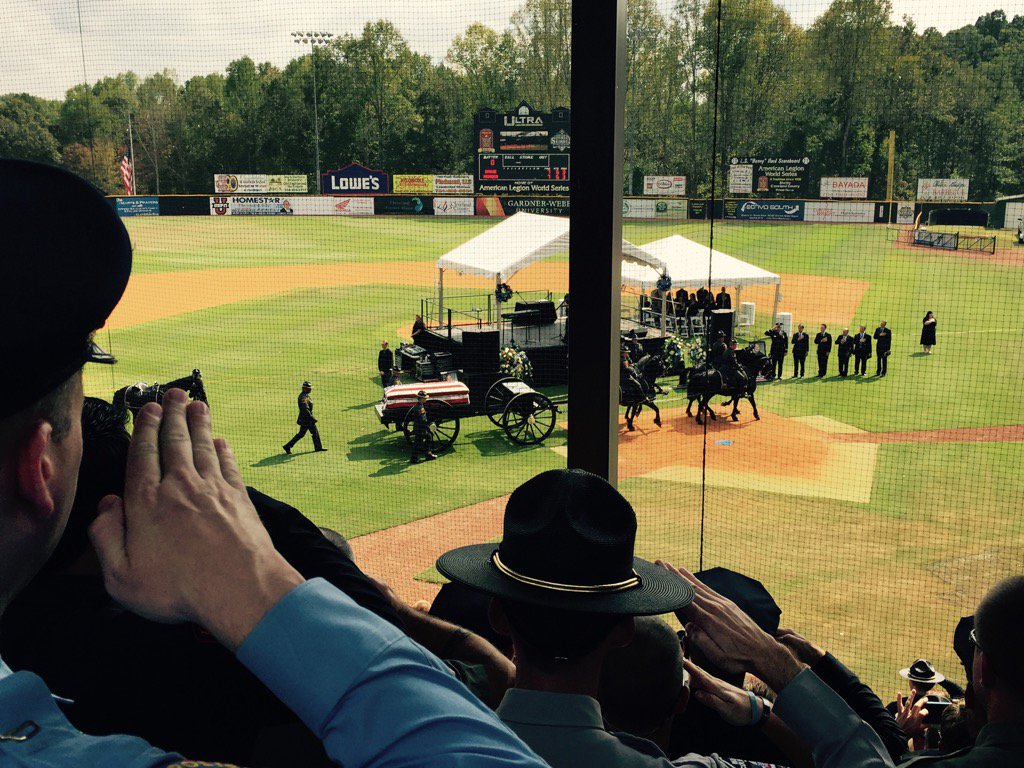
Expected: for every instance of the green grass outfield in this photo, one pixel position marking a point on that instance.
(943, 519)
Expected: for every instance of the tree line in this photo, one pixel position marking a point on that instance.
(832, 92)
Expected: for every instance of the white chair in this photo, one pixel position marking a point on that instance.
(697, 325)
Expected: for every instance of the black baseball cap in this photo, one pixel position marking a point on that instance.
(66, 262)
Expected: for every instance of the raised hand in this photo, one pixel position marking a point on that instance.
(185, 542)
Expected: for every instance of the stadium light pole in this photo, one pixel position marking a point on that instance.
(313, 39)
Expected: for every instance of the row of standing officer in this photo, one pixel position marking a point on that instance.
(858, 346)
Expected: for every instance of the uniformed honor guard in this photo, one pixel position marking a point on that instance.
(305, 421)
(385, 362)
(780, 345)
(801, 345)
(421, 430)
(861, 351)
(823, 344)
(844, 346)
(718, 351)
(883, 345)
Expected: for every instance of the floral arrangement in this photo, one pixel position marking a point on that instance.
(672, 353)
(664, 283)
(513, 361)
(695, 352)
(502, 293)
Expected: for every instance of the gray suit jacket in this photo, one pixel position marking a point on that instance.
(568, 731)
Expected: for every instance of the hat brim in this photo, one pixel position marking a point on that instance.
(659, 591)
(938, 678)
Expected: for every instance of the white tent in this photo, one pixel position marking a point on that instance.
(687, 263)
(518, 241)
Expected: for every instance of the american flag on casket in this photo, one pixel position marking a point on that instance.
(401, 397)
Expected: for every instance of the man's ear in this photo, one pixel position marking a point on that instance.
(34, 467)
(499, 621)
(983, 671)
(622, 633)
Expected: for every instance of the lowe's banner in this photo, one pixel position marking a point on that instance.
(844, 186)
(356, 179)
(765, 210)
(137, 206)
(942, 190)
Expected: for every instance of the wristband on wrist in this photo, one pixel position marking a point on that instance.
(760, 709)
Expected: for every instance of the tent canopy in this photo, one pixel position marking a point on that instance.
(521, 240)
(686, 262)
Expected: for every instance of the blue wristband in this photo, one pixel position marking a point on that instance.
(755, 716)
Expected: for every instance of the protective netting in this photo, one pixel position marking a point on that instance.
(865, 154)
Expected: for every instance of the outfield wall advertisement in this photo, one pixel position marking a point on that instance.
(769, 176)
(454, 206)
(765, 210)
(412, 183)
(237, 205)
(844, 186)
(137, 206)
(258, 183)
(453, 185)
(356, 179)
(942, 190)
(846, 213)
(668, 186)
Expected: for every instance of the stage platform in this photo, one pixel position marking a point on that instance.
(545, 345)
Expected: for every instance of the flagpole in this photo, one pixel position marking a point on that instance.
(131, 150)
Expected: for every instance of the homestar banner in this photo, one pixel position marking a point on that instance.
(356, 179)
(943, 190)
(844, 186)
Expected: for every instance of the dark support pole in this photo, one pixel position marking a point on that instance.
(595, 233)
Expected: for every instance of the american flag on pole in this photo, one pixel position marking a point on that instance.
(127, 174)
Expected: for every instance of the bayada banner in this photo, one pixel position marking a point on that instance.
(844, 186)
(355, 179)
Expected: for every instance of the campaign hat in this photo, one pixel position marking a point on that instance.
(922, 671)
(568, 543)
(66, 262)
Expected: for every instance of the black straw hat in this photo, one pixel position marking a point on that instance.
(64, 265)
(750, 596)
(922, 671)
(568, 543)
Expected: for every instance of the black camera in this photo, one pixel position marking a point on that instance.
(935, 705)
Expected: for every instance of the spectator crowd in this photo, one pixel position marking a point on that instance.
(154, 606)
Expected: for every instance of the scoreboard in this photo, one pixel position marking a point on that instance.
(523, 167)
(523, 152)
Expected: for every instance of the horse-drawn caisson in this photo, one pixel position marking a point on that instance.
(525, 415)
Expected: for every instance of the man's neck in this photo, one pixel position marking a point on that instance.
(1001, 710)
(580, 677)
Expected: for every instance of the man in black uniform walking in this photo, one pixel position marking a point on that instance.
(305, 421)
(844, 346)
(385, 362)
(421, 430)
(801, 344)
(823, 342)
(780, 345)
(861, 351)
(883, 345)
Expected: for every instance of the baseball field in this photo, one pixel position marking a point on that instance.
(877, 511)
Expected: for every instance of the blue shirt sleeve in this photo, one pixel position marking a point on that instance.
(372, 695)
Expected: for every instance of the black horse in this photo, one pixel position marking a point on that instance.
(706, 383)
(134, 396)
(638, 391)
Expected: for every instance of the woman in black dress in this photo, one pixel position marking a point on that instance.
(928, 332)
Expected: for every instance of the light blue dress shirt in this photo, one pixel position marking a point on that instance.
(370, 693)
